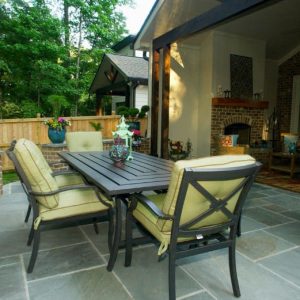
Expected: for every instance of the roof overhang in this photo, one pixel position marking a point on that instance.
(116, 72)
(276, 22)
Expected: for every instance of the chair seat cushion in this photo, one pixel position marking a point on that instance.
(64, 180)
(74, 203)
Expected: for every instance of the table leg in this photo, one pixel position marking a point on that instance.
(117, 235)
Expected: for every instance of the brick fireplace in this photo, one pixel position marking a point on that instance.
(226, 112)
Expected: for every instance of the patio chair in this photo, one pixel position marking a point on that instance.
(82, 141)
(204, 201)
(63, 178)
(52, 204)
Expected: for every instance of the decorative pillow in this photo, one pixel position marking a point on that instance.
(84, 141)
(37, 171)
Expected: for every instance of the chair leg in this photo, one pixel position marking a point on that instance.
(239, 232)
(35, 249)
(96, 226)
(172, 286)
(128, 242)
(30, 236)
(110, 229)
(117, 236)
(233, 273)
(28, 213)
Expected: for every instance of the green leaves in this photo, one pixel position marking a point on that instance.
(41, 53)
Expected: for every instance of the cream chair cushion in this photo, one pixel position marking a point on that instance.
(161, 229)
(84, 141)
(37, 171)
(73, 203)
(64, 180)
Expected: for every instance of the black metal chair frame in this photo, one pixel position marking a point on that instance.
(34, 235)
(203, 239)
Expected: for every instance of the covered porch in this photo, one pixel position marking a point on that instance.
(213, 51)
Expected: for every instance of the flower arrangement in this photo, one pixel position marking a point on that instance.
(57, 123)
(136, 137)
(118, 152)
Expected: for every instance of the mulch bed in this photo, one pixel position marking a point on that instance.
(279, 180)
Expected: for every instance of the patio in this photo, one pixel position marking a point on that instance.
(72, 262)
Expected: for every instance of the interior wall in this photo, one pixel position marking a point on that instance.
(225, 44)
(205, 70)
(183, 105)
(270, 90)
(287, 71)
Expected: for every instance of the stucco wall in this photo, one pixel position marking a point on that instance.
(225, 44)
(184, 94)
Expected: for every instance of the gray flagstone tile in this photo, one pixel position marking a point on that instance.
(200, 296)
(62, 260)
(286, 264)
(248, 224)
(290, 232)
(256, 283)
(266, 217)
(254, 202)
(147, 278)
(292, 214)
(287, 201)
(12, 283)
(92, 284)
(14, 242)
(275, 208)
(9, 260)
(260, 244)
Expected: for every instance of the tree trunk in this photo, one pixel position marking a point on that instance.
(66, 25)
(77, 75)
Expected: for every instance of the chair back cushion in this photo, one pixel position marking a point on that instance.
(37, 171)
(82, 141)
(195, 202)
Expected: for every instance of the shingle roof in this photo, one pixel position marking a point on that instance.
(132, 67)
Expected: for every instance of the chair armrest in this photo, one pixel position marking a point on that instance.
(149, 205)
(56, 162)
(64, 189)
(64, 172)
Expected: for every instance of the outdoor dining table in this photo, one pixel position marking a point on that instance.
(143, 173)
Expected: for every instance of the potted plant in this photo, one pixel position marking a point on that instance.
(57, 129)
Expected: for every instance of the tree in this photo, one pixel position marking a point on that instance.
(50, 47)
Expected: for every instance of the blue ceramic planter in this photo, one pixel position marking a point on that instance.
(56, 136)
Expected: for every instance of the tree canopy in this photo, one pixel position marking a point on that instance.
(53, 47)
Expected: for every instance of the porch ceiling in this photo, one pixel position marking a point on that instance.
(169, 14)
(277, 24)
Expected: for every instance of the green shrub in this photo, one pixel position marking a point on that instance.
(10, 110)
(133, 111)
(145, 108)
(30, 109)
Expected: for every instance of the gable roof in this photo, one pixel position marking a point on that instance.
(123, 43)
(129, 69)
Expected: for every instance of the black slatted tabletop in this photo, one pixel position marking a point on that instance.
(143, 173)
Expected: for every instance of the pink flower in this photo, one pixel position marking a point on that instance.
(136, 132)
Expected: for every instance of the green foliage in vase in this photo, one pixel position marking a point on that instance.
(96, 126)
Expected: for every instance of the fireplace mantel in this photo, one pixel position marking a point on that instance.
(259, 104)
